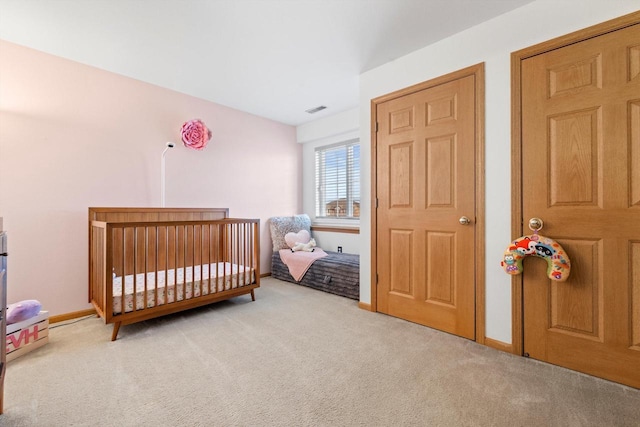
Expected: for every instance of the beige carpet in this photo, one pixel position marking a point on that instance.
(295, 357)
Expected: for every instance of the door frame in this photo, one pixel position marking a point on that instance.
(517, 222)
(477, 71)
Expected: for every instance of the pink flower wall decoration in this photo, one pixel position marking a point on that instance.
(195, 134)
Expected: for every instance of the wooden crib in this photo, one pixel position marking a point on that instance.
(149, 262)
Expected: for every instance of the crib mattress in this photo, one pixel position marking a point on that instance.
(208, 278)
(337, 273)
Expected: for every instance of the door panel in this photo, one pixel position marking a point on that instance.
(575, 309)
(635, 295)
(401, 244)
(581, 175)
(425, 183)
(441, 268)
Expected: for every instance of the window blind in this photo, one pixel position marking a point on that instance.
(338, 181)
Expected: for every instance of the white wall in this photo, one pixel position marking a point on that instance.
(329, 130)
(492, 43)
(330, 241)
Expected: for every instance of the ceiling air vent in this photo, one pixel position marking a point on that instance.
(316, 109)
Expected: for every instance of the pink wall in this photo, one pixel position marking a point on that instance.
(73, 136)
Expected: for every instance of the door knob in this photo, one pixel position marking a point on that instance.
(536, 224)
(464, 220)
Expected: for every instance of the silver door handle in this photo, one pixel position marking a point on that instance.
(536, 224)
(464, 220)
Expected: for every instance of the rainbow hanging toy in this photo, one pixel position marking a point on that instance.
(558, 265)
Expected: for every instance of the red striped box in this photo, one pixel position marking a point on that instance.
(28, 335)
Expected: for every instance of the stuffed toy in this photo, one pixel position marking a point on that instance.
(22, 310)
(293, 238)
(300, 241)
(558, 265)
(306, 247)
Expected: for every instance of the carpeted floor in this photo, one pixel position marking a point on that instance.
(295, 357)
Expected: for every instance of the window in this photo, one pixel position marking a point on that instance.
(338, 181)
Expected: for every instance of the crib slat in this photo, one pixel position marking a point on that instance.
(237, 251)
(219, 239)
(175, 265)
(245, 245)
(146, 266)
(228, 248)
(241, 249)
(184, 264)
(134, 266)
(255, 233)
(246, 254)
(124, 272)
(156, 267)
(247, 249)
(209, 227)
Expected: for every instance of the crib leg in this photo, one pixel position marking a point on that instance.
(116, 328)
(253, 296)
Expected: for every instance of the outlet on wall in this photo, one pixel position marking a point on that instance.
(339, 249)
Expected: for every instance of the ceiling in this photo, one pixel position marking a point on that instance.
(272, 58)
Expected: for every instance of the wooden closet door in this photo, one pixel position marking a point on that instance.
(581, 176)
(425, 185)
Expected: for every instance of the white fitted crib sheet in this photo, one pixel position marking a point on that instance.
(223, 276)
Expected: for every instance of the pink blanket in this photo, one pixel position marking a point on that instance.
(300, 261)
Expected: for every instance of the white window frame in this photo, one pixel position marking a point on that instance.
(352, 177)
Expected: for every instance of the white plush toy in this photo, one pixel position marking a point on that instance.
(307, 247)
